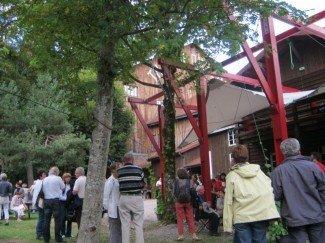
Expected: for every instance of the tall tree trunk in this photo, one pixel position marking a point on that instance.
(169, 150)
(30, 175)
(92, 207)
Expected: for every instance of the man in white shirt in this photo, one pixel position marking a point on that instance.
(79, 190)
(41, 174)
(52, 187)
(110, 202)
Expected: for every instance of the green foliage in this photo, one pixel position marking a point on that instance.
(123, 121)
(81, 103)
(36, 130)
(276, 230)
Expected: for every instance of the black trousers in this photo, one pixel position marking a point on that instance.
(65, 224)
(52, 207)
(313, 232)
(78, 209)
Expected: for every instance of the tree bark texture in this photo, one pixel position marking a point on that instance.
(92, 206)
(169, 149)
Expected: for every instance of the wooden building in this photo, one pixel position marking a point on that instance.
(302, 63)
(186, 156)
(140, 145)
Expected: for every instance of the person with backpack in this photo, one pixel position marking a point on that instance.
(183, 206)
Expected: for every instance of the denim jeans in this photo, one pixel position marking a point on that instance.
(40, 221)
(52, 207)
(253, 232)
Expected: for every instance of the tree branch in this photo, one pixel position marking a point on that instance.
(153, 67)
(145, 63)
(144, 83)
(139, 31)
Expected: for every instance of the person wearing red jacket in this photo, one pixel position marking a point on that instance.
(220, 183)
(316, 157)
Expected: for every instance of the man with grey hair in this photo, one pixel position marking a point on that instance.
(52, 187)
(5, 192)
(300, 186)
(79, 190)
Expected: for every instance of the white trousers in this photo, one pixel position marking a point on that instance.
(19, 210)
(131, 204)
(4, 205)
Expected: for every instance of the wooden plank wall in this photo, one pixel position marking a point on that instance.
(305, 119)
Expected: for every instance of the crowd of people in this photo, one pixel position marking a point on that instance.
(243, 201)
(246, 198)
(16, 199)
(51, 196)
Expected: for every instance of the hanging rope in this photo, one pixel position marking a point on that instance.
(257, 130)
(292, 65)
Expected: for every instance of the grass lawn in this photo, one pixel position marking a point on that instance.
(24, 232)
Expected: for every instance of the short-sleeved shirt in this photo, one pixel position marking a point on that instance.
(52, 187)
(80, 186)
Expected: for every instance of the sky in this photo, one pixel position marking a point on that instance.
(310, 6)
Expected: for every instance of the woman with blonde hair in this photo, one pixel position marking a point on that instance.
(65, 229)
(249, 201)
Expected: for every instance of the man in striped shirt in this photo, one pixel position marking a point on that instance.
(131, 183)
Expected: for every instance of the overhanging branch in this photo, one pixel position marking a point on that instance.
(144, 83)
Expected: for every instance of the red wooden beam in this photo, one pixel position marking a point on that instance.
(241, 79)
(145, 102)
(141, 101)
(309, 29)
(251, 81)
(272, 65)
(146, 128)
(204, 142)
(169, 78)
(262, 80)
(228, 76)
(154, 97)
(187, 110)
(279, 38)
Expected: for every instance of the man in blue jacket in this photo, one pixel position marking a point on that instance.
(300, 186)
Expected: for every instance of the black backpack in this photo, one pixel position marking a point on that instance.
(183, 192)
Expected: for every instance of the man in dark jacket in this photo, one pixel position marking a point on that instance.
(5, 193)
(300, 186)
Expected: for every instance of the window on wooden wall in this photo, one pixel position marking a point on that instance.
(232, 137)
(131, 91)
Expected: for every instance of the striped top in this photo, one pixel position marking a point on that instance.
(130, 178)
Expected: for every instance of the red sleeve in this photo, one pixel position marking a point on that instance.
(321, 166)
